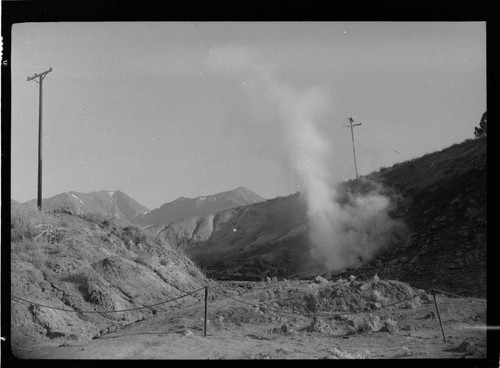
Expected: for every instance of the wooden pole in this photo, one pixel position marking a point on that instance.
(351, 125)
(439, 316)
(40, 77)
(40, 114)
(206, 308)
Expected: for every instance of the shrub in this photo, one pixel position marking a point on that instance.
(97, 218)
(193, 270)
(138, 235)
(36, 252)
(143, 257)
(24, 221)
(86, 279)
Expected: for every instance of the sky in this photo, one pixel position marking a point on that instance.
(161, 110)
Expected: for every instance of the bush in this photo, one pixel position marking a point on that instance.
(86, 279)
(143, 257)
(24, 221)
(137, 235)
(193, 270)
(36, 252)
(97, 218)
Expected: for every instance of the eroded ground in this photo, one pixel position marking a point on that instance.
(279, 320)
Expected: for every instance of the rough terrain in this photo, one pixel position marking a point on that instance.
(89, 263)
(88, 268)
(273, 320)
(441, 197)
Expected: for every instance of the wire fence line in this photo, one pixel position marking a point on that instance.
(279, 311)
(257, 304)
(460, 296)
(109, 311)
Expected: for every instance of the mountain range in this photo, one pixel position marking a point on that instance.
(120, 206)
(108, 203)
(183, 207)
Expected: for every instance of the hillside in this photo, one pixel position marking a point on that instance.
(441, 197)
(189, 207)
(108, 203)
(445, 206)
(89, 263)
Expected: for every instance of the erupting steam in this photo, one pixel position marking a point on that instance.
(343, 233)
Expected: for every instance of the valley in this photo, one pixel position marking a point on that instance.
(87, 285)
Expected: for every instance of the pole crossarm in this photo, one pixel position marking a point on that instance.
(41, 75)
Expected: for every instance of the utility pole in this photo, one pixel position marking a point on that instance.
(351, 125)
(40, 77)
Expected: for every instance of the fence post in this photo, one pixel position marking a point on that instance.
(439, 316)
(206, 300)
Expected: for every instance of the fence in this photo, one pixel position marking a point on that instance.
(206, 288)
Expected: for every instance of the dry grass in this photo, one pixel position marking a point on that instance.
(34, 252)
(194, 270)
(25, 222)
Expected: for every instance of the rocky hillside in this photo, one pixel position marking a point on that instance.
(108, 203)
(188, 207)
(445, 207)
(89, 263)
(441, 197)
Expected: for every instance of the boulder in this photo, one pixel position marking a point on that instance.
(320, 280)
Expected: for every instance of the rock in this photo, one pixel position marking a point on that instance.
(408, 328)
(390, 326)
(405, 351)
(284, 350)
(320, 280)
(375, 296)
(430, 315)
(376, 279)
(466, 347)
(394, 262)
(320, 326)
(288, 329)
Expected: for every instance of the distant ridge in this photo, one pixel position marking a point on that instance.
(111, 203)
(184, 207)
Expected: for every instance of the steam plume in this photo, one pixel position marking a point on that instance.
(342, 234)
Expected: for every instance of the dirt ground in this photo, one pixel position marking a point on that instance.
(241, 328)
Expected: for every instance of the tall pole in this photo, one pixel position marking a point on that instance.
(351, 125)
(206, 302)
(40, 77)
(439, 315)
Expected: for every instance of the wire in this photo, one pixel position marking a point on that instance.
(114, 311)
(461, 296)
(315, 314)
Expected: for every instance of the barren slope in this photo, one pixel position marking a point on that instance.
(87, 263)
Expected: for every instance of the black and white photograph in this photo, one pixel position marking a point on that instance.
(246, 190)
